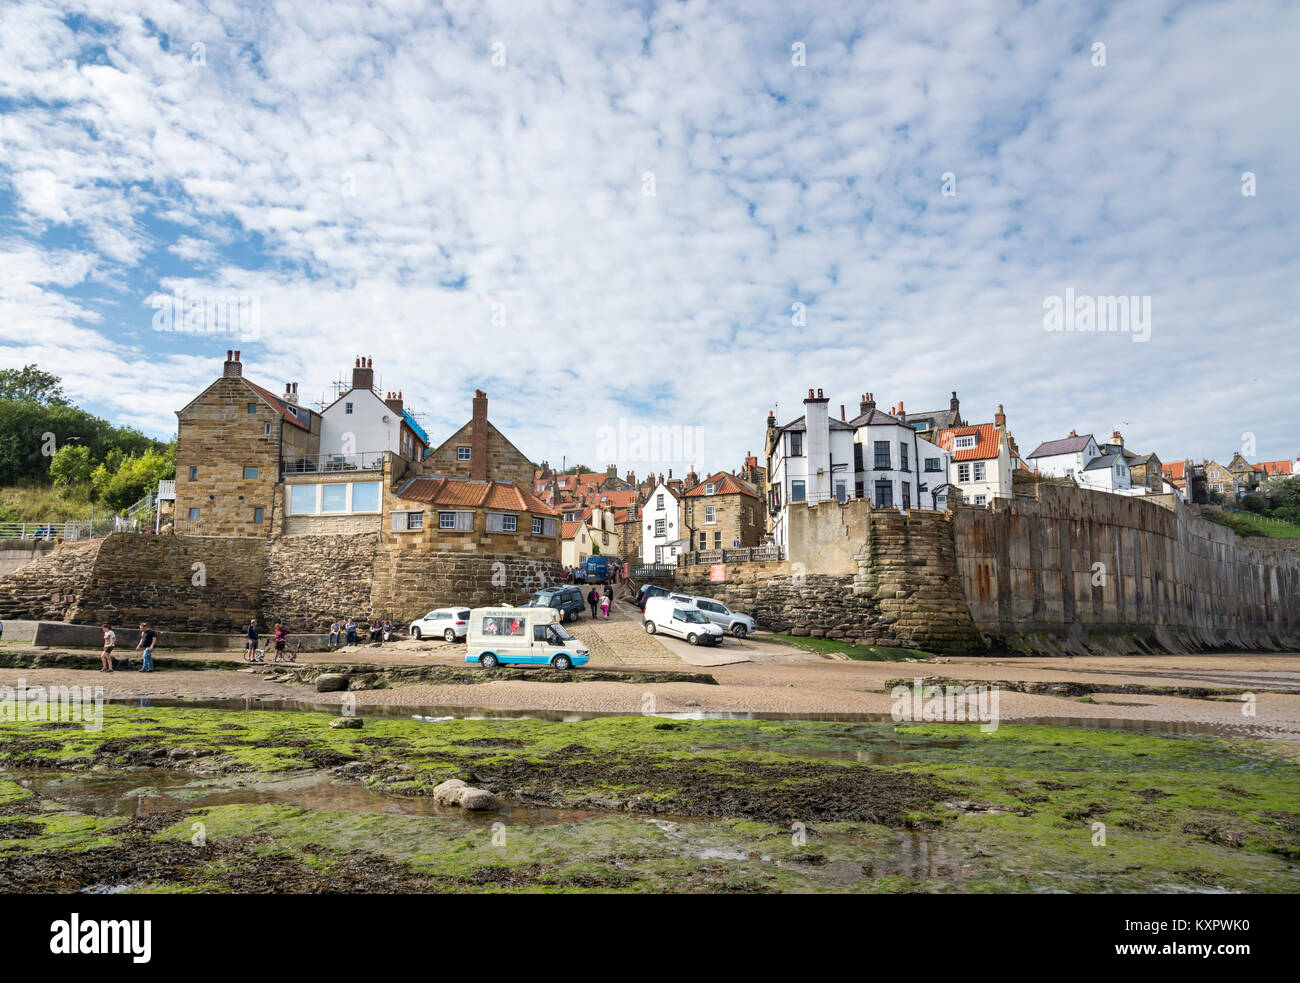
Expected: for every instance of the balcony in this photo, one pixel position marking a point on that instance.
(332, 463)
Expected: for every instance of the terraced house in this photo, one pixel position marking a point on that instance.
(722, 512)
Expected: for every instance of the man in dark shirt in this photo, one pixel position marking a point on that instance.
(147, 638)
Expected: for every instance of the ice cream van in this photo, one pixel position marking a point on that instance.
(523, 637)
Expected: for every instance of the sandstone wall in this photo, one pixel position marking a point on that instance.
(185, 583)
(311, 580)
(49, 586)
(1075, 571)
(410, 582)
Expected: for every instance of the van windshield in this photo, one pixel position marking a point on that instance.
(558, 634)
(694, 617)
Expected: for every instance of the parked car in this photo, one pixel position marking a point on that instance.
(567, 600)
(648, 591)
(732, 622)
(528, 636)
(450, 623)
(664, 614)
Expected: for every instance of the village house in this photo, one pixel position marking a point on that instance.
(361, 424)
(662, 539)
(981, 464)
(876, 456)
(575, 544)
(755, 475)
(628, 521)
(722, 511)
(232, 440)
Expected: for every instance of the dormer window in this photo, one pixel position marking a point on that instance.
(964, 443)
(710, 488)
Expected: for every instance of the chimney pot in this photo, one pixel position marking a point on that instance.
(810, 394)
(236, 354)
(842, 416)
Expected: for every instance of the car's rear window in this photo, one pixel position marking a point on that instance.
(463, 615)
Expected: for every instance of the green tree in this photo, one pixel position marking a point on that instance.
(72, 465)
(32, 384)
(121, 481)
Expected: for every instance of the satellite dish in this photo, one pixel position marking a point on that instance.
(386, 418)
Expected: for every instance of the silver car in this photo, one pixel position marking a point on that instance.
(733, 622)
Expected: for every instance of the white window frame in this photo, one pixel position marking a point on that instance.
(979, 471)
(710, 515)
(964, 443)
(464, 452)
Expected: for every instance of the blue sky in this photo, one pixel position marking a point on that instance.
(463, 193)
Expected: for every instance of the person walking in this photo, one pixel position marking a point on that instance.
(281, 636)
(106, 656)
(250, 647)
(604, 604)
(334, 634)
(593, 600)
(351, 629)
(147, 638)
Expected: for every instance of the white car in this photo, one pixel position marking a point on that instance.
(732, 622)
(450, 623)
(670, 616)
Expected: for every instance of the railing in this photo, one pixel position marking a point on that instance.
(650, 571)
(78, 529)
(329, 463)
(743, 554)
(167, 490)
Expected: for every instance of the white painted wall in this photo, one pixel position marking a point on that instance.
(652, 512)
(363, 430)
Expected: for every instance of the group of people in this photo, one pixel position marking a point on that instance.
(148, 640)
(601, 601)
(283, 650)
(345, 633)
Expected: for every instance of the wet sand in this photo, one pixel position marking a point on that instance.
(779, 680)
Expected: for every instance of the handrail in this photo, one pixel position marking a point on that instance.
(332, 463)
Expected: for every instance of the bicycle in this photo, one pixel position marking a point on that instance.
(290, 654)
(254, 654)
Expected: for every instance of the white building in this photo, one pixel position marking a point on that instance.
(875, 456)
(982, 463)
(1080, 459)
(661, 526)
(359, 423)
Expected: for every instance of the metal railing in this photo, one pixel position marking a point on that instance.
(741, 554)
(653, 570)
(73, 530)
(331, 463)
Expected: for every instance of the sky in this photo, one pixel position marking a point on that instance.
(641, 227)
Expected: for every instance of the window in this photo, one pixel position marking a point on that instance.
(710, 515)
(857, 489)
(882, 455)
(460, 521)
(963, 474)
(907, 494)
(194, 472)
(710, 488)
(462, 453)
(252, 407)
(704, 540)
(932, 464)
(502, 522)
(884, 494)
(302, 499)
(446, 520)
(981, 499)
(334, 498)
(902, 457)
(250, 474)
(659, 501)
(857, 459)
(537, 526)
(964, 443)
(717, 540)
(796, 445)
(659, 527)
(979, 470)
(257, 516)
(797, 493)
(841, 493)
(414, 520)
(194, 513)
(365, 496)
(347, 409)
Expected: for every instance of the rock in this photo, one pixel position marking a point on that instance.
(331, 682)
(449, 792)
(478, 800)
(347, 723)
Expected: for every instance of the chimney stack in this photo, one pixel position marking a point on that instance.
(868, 403)
(954, 404)
(842, 416)
(478, 439)
(291, 393)
(1000, 418)
(1117, 438)
(233, 369)
(363, 373)
(394, 402)
(902, 414)
(1073, 434)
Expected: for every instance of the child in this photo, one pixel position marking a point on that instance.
(106, 657)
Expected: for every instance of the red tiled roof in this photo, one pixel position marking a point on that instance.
(1173, 470)
(569, 529)
(1274, 467)
(476, 494)
(728, 484)
(616, 499)
(986, 442)
(275, 401)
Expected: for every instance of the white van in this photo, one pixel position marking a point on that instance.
(670, 616)
(522, 636)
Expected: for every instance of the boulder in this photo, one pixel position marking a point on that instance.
(331, 682)
(449, 792)
(478, 800)
(347, 723)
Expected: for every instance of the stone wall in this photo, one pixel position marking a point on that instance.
(311, 580)
(184, 583)
(17, 553)
(49, 586)
(410, 582)
(505, 462)
(1074, 571)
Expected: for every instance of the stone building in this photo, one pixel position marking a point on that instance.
(231, 441)
(721, 512)
(479, 450)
